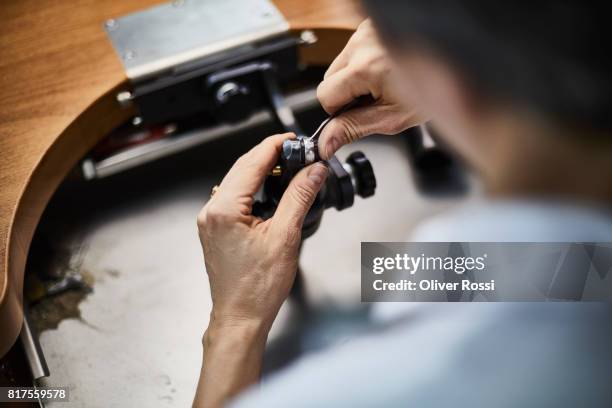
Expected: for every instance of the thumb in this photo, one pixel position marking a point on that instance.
(299, 196)
(356, 124)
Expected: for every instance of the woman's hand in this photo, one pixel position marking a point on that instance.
(362, 68)
(251, 263)
(251, 266)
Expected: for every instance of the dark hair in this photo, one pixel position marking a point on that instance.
(552, 56)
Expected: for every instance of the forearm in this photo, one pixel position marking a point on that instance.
(233, 353)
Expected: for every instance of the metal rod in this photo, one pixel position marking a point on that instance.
(33, 351)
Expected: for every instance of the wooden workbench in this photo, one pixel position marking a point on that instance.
(58, 79)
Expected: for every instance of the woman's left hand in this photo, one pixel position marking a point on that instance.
(251, 263)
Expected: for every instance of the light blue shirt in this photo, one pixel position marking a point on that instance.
(468, 354)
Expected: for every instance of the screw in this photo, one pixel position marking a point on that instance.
(136, 121)
(178, 3)
(110, 24)
(308, 37)
(125, 98)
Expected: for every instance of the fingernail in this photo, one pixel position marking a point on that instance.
(317, 173)
(331, 147)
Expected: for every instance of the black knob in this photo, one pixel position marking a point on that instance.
(363, 173)
(227, 91)
(233, 102)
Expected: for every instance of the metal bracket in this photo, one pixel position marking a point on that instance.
(164, 37)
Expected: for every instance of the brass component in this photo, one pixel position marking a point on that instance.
(277, 171)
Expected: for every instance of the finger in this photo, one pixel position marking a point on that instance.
(298, 197)
(361, 122)
(354, 43)
(342, 60)
(248, 173)
(341, 88)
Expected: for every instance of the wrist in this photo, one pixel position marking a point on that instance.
(233, 355)
(228, 331)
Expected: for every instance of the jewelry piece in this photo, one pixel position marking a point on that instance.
(214, 190)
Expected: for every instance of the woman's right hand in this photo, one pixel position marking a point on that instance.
(362, 68)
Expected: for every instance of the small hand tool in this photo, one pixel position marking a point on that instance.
(305, 150)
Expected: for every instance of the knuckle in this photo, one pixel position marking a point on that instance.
(291, 236)
(244, 205)
(354, 37)
(380, 68)
(365, 24)
(242, 159)
(376, 61)
(201, 220)
(322, 95)
(402, 121)
(321, 90)
(361, 70)
(215, 214)
(301, 194)
(363, 29)
(347, 128)
(269, 141)
(326, 75)
(367, 63)
(397, 119)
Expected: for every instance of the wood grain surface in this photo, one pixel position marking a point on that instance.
(58, 79)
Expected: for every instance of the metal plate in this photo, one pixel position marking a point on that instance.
(171, 34)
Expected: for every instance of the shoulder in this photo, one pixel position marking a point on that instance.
(517, 221)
